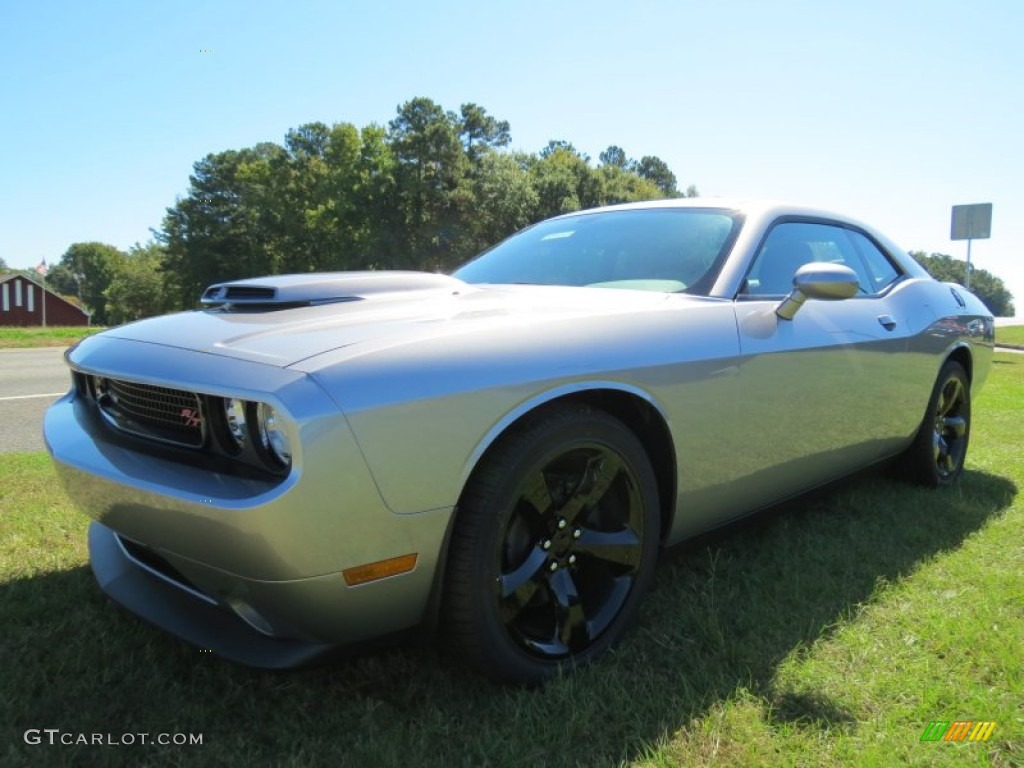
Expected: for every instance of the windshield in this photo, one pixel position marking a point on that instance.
(661, 249)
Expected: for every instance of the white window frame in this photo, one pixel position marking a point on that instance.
(7, 298)
(17, 292)
(31, 297)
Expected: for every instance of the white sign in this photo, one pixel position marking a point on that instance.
(971, 222)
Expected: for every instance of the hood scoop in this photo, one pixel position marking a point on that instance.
(262, 294)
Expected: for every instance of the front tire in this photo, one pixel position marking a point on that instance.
(936, 457)
(555, 542)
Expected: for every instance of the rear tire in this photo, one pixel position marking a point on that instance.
(936, 457)
(555, 542)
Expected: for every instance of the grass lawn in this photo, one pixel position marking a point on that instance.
(1010, 334)
(827, 633)
(52, 336)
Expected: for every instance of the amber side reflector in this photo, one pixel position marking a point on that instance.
(393, 566)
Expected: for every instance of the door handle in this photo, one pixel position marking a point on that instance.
(887, 322)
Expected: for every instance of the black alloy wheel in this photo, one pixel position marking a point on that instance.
(936, 457)
(949, 432)
(555, 541)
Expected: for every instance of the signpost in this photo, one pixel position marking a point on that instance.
(971, 222)
(41, 270)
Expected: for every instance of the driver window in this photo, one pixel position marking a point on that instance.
(789, 246)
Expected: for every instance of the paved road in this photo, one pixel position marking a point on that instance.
(30, 379)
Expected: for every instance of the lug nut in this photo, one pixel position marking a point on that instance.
(572, 559)
(553, 567)
(577, 533)
(546, 545)
(562, 523)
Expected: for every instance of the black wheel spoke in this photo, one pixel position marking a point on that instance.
(616, 597)
(955, 426)
(620, 548)
(570, 622)
(952, 396)
(947, 460)
(537, 494)
(551, 646)
(519, 586)
(597, 478)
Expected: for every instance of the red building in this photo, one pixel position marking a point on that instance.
(21, 303)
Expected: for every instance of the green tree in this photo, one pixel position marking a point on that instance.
(986, 286)
(431, 167)
(140, 286)
(376, 213)
(506, 198)
(616, 157)
(63, 279)
(86, 270)
(479, 131)
(621, 186)
(565, 181)
(230, 224)
(656, 170)
(430, 190)
(556, 178)
(304, 230)
(3, 265)
(560, 145)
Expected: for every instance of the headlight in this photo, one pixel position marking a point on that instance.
(234, 415)
(272, 434)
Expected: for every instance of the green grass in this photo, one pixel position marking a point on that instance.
(827, 633)
(1011, 335)
(55, 336)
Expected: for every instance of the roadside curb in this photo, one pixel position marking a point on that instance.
(34, 349)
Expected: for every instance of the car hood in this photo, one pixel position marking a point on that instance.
(387, 311)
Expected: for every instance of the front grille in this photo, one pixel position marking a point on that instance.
(159, 413)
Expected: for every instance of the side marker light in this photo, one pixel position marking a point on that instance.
(361, 574)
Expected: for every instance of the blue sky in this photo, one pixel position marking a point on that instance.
(891, 111)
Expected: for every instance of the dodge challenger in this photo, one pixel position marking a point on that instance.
(314, 462)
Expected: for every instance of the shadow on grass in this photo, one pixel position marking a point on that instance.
(725, 611)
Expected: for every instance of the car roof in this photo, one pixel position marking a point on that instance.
(751, 207)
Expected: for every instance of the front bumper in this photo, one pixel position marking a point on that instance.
(254, 568)
(196, 621)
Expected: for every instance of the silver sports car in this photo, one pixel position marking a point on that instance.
(313, 462)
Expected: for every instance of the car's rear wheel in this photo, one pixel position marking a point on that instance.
(555, 541)
(936, 457)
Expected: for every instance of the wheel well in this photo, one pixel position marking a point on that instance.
(637, 415)
(963, 356)
(644, 420)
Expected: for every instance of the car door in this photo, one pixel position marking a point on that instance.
(812, 390)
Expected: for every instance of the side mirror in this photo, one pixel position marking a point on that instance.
(818, 280)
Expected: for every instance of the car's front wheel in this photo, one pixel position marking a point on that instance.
(555, 542)
(936, 457)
